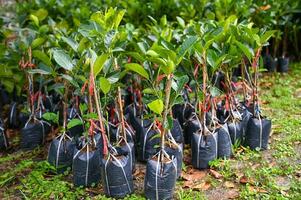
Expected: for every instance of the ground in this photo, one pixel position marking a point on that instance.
(271, 174)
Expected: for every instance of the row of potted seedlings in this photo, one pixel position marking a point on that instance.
(145, 103)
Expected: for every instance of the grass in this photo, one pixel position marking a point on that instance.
(272, 174)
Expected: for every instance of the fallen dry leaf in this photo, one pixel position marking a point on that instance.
(188, 184)
(255, 166)
(202, 186)
(215, 174)
(229, 184)
(245, 180)
(193, 174)
(272, 164)
(261, 190)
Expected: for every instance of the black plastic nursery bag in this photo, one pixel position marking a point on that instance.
(160, 179)
(117, 177)
(33, 134)
(236, 131)
(258, 132)
(176, 150)
(224, 146)
(13, 116)
(3, 138)
(191, 126)
(60, 153)
(203, 150)
(86, 166)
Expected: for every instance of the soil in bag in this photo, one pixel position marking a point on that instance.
(224, 146)
(117, 178)
(236, 131)
(203, 150)
(160, 179)
(60, 153)
(33, 134)
(258, 132)
(86, 166)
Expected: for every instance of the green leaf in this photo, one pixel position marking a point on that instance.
(138, 69)
(211, 57)
(51, 117)
(169, 124)
(38, 71)
(136, 56)
(169, 67)
(246, 50)
(41, 14)
(74, 122)
(181, 22)
(73, 44)
(90, 116)
(35, 19)
(118, 18)
(37, 42)
(214, 91)
(181, 81)
(152, 53)
(98, 64)
(158, 135)
(42, 57)
(185, 46)
(70, 79)
(149, 91)
(142, 46)
(63, 59)
(156, 106)
(83, 107)
(83, 44)
(266, 36)
(104, 85)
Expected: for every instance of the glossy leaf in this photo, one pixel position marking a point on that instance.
(73, 44)
(246, 50)
(37, 42)
(138, 69)
(99, 63)
(104, 85)
(41, 56)
(63, 59)
(156, 106)
(74, 122)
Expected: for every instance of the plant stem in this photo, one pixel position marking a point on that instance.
(96, 98)
(166, 108)
(65, 105)
(203, 114)
(120, 106)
